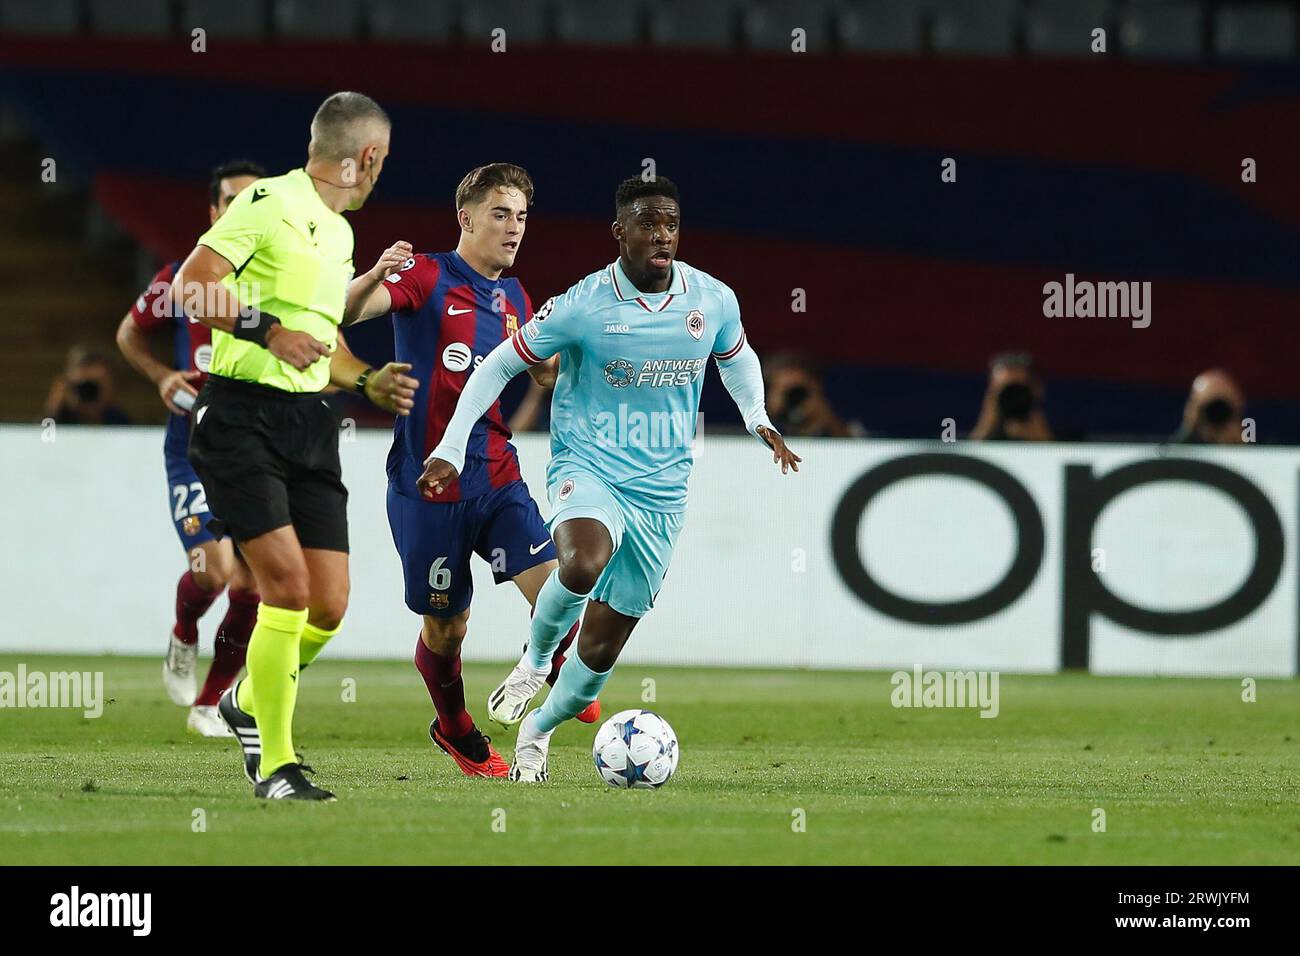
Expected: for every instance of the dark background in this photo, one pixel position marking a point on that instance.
(817, 171)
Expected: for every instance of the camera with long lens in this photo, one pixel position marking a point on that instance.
(1015, 402)
(796, 404)
(87, 391)
(1217, 413)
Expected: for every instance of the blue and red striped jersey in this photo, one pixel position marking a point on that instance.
(154, 310)
(191, 341)
(446, 319)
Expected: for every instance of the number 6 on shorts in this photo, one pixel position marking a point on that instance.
(439, 577)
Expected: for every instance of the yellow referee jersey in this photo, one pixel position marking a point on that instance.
(293, 258)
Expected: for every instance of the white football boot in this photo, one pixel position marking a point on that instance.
(178, 671)
(531, 750)
(509, 702)
(206, 722)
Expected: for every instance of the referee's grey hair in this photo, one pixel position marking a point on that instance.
(343, 124)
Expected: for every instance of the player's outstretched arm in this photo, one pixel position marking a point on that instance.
(368, 296)
(742, 374)
(483, 388)
(133, 342)
(780, 453)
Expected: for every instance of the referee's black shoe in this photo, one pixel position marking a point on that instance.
(290, 783)
(244, 727)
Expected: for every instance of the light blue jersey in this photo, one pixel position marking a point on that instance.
(631, 369)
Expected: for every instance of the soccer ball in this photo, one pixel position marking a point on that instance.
(636, 749)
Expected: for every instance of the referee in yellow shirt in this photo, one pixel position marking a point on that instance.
(270, 277)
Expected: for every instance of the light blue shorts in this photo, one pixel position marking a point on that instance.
(643, 540)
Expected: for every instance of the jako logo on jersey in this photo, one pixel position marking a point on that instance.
(620, 373)
(614, 328)
(203, 357)
(457, 356)
(695, 323)
(566, 489)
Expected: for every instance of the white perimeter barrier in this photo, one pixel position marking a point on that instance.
(878, 555)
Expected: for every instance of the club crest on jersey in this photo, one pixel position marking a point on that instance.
(566, 489)
(620, 373)
(695, 323)
(457, 356)
(512, 323)
(191, 525)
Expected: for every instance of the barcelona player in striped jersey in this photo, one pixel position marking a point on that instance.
(449, 311)
(214, 565)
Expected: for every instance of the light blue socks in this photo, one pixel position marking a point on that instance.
(577, 686)
(557, 608)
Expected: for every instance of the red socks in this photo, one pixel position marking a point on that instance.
(191, 604)
(230, 648)
(446, 689)
(557, 659)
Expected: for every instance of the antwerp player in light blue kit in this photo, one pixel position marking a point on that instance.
(633, 341)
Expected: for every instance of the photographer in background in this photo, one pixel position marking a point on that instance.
(797, 403)
(1013, 402)
(83, 394)
(1213, 412)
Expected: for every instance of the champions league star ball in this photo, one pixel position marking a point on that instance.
(635, 749)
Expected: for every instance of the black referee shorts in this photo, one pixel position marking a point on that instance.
(269, 458)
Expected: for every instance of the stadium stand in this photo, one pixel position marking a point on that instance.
(1047, 204)
(410, 21)
(1163, 30)
(57, 290)
(1262, 31)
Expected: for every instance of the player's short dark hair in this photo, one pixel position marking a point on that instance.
(634, 188)
(236, 167)
(481, 180)
(339, 128)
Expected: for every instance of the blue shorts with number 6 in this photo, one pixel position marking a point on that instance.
(435, 541)
(643, 540)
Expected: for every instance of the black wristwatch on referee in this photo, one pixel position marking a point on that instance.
(360, 384)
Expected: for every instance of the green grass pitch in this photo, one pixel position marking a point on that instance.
(1185, 771)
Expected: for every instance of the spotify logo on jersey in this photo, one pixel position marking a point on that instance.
(203, 357)
(457, 356)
